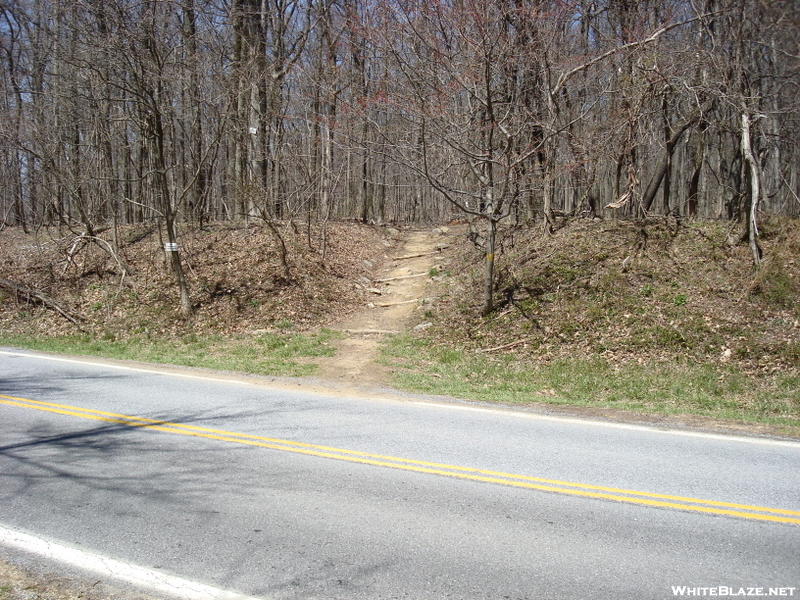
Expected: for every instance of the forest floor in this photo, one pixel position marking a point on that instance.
(663, 322)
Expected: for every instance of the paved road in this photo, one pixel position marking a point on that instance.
(282, 493)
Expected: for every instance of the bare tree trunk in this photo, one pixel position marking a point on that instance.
(488, 269)
(283, 252)
(755, 190)
(663, 167)
(164, 194)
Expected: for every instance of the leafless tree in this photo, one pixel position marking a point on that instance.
(185, 111)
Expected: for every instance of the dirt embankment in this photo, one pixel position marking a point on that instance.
(236, 275)
(656, 290)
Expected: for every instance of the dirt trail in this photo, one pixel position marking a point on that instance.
(396, 292)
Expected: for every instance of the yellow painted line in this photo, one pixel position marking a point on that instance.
(523, 481)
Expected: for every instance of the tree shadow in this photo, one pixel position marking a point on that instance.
(124, 458)
(36, 385)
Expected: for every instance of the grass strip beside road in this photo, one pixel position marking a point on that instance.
(486, 476)
(286, 354)
(717, 391)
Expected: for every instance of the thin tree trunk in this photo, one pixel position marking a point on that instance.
(663, 166)
(168, 211)
(488, 269)
(755, 190)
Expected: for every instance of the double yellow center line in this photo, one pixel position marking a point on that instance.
(535, 483)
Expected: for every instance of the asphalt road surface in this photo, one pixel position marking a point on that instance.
(282, 493)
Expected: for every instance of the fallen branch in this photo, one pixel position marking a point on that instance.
(407, 256)
(400, 277)
(506, 346)
(370, 331)
(621, 201)
(386, 304)
(81, 241)
(39, 297)
(77, 245)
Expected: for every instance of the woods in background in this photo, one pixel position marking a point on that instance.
(408, 111)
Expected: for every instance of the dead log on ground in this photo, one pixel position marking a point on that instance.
(35, 296)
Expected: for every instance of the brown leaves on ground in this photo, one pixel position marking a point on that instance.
(656, 290)
(234, 272)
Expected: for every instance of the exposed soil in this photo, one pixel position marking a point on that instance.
(396, 291)
(369, 283)
(234, 272)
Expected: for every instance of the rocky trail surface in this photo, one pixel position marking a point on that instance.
(397, 291)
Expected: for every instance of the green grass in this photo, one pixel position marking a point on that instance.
(718, 391)
(265, 354)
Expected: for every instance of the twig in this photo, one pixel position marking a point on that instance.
(384, 305)
(413, 256)
(401, 277)
(505, 346)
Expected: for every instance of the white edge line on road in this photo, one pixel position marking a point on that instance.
(154, 581)
(166, 371)
(169, 372)
(628, 426)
